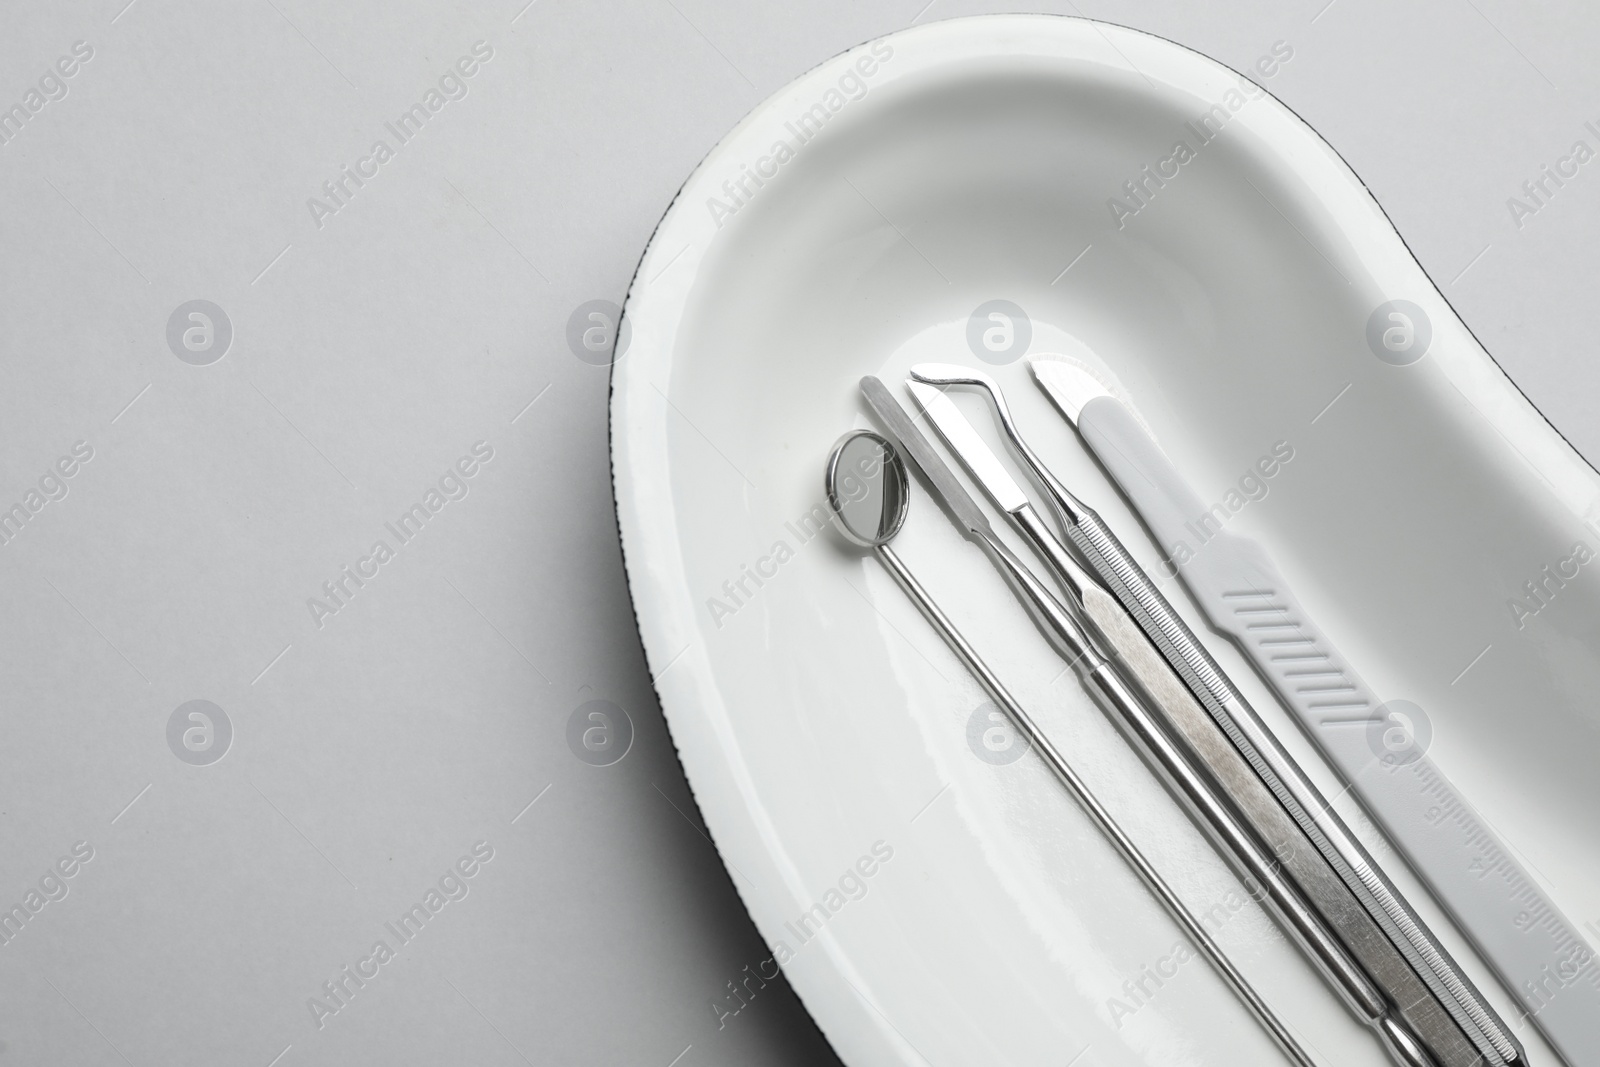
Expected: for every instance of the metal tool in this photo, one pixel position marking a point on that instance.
(1208, 806)
(1537, 954)
(1333, 840)
(1352, 952)
(869, 491)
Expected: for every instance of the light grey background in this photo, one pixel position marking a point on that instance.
(373, 351)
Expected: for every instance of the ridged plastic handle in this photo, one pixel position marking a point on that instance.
(1537, 954)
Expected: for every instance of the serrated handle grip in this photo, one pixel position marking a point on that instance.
(1536, 953)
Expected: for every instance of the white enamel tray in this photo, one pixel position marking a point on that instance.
(928, 900)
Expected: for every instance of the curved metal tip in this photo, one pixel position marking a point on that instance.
(951, 374)
(1068, 384)
(1067, 507)
(943, 374)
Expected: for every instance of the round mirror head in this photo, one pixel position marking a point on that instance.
(867, 488)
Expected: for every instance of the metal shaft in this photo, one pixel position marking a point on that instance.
(1193, 767)
(1097, 812)
(1368, 945)
(1328, 833)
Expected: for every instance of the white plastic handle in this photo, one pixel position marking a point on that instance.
(1537, 954)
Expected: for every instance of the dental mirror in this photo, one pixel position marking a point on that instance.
(868, 488)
